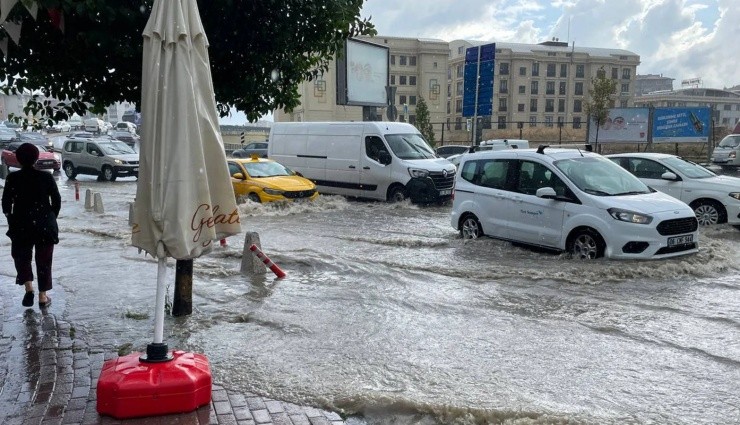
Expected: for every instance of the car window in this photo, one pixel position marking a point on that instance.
(92, 149)
(487, 172)
(600, 176)
(373, 146)
(234, 168)
(646, 168)
(690, 169)
(731, 141)
(533, 176)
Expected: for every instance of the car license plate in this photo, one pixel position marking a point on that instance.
(680, 240)
(445, 192)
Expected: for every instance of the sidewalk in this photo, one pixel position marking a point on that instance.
(49, 376)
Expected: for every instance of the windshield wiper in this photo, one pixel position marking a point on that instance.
(634, 192)
(596, 192)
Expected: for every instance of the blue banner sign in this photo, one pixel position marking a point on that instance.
(675, 125)
(478, 80)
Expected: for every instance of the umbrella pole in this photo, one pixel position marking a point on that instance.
(157, 351)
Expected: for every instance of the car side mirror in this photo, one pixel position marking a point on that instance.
(384, 157)
(546, 193)
(238, 176)
(669, 176)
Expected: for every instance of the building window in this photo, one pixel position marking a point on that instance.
(535, 87)
(434, 65)
(532, 105)
(601, 73)
(393, 59)
(625, 88)
(623, 103)
(563, 70)
(551, 54)
(615, 73)
(402, 99)
(460, 71)
(561, 120)
(449, 91)
(393, 80)
(533, 120)
(522, 89)
(461, 50)
(459, 89)
(550, 69)
(561, 88)
(536, 69)
(412, 80)
(561, 105)
(626, 74)
(402, 60)
(522, 70)
(577, 105)
(727, 107)
(458, 123)
(402, 118)
(458, 106)
(412, 100)
(550, 88)
(503, 68)
(412, 119)
(576, 122)
(580, 71)
(579, 89)
(548, 121)
(486, 123)
(520, 107)
(412, 60)
(402, 80)
(549, 105)
(503, 86)
(502, 104)
(502, 122)
(449, 108)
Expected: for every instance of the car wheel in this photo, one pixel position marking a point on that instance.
(398, 194)
(586, 244)
(70, 171)
(709, 212)
(470, 227)
(109, 174)
(254, 198)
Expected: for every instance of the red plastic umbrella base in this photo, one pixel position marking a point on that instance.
(129, 387)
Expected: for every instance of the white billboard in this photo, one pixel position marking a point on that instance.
(362, 74)
(622, 125)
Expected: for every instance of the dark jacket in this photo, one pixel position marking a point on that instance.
(31, 201)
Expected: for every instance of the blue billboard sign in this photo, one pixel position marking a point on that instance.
(478, 80)
(675, 125)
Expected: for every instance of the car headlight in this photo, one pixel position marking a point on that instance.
(735, 195)
(629, 216)
(117, 161)
(418, 172)
(273, 191)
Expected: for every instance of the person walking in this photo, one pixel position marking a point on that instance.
(31, 203)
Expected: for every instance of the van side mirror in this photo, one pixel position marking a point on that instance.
(546, 193)
(384, 157)
(669, 176)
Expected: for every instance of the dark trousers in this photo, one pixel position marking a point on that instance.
(22, 251)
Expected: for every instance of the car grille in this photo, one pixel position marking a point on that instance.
(440, 181)
(678, 226)
(299, 194)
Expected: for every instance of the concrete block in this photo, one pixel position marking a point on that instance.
(89, 199)
(250, 263)
(98, 203)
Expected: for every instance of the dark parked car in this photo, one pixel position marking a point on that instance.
(125, 136)
(259, 148)
(37, 139)
(445, 151)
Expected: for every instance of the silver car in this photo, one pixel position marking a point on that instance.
(727, 152)
(258, 148)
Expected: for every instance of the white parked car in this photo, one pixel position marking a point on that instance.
(714, 199)
(569, 200)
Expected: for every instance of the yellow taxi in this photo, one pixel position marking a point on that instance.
(264, 180)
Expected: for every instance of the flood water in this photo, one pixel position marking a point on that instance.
(388, 317)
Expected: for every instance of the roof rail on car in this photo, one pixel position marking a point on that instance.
(587, 147)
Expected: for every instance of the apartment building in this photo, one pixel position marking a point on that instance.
(725, 104)
(541, 84)
(417, 68)
(649, 83)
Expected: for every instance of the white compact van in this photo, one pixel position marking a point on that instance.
(375, 159)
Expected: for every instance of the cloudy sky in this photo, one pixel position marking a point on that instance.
(680, 39)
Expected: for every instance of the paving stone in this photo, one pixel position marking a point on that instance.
(261, 416)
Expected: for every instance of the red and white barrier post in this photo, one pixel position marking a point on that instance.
(224, 244)
(77, 191)
(265, 259)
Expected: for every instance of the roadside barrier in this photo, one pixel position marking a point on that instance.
(77, 191)
(265, 259)
(224, 244)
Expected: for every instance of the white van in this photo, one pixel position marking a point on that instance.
(375, 159)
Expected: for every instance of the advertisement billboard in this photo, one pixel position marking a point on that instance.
(681, 125)
(478, 80)
(362, 74)
(622, 125)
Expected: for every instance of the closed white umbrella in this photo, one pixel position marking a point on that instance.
(184, 199)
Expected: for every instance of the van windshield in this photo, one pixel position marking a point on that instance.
(115, 148)
(731, 141)
(409, 146)
(600, 176)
